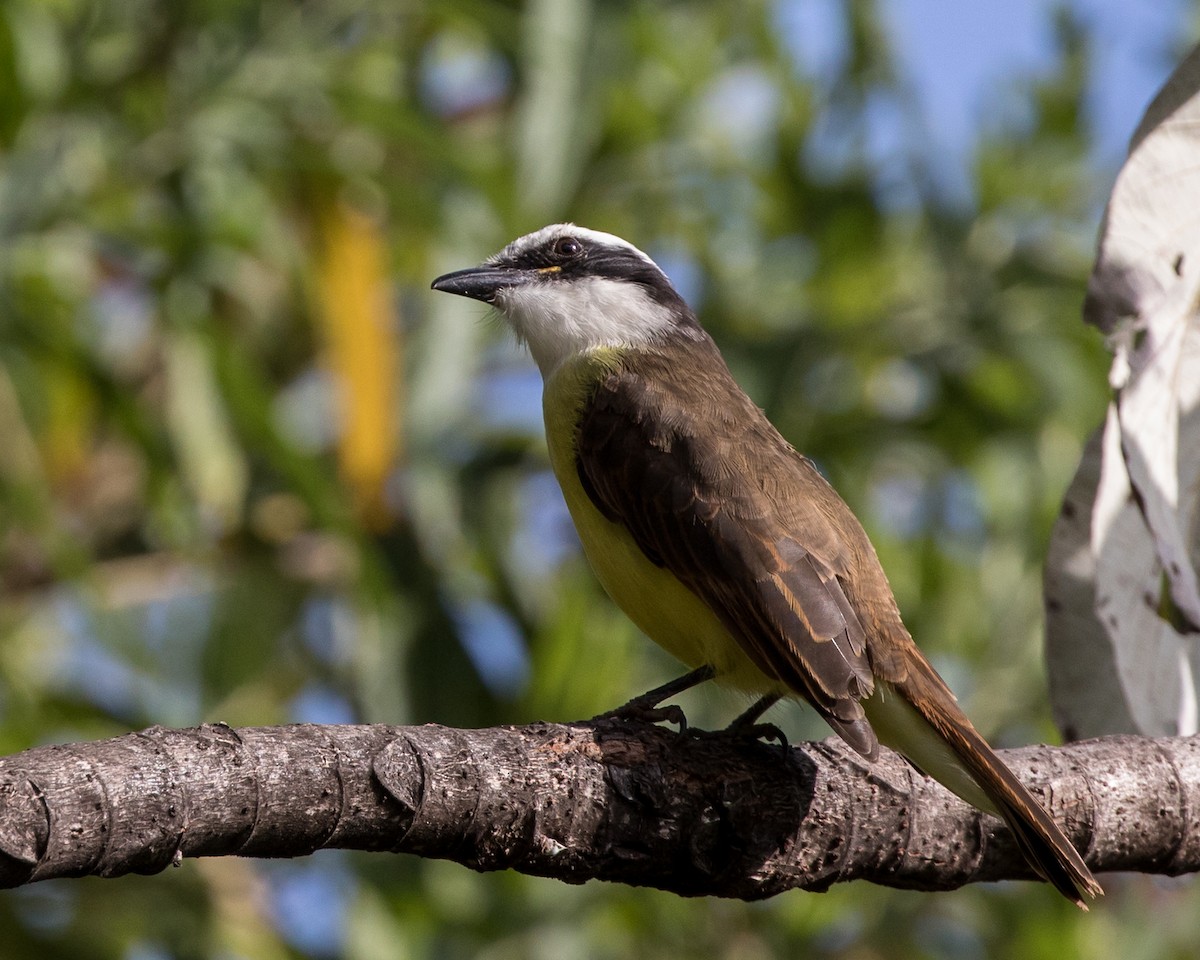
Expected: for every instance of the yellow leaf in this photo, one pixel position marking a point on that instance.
(65, 436)
(363, 339)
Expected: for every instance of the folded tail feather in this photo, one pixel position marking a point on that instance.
(931, 731)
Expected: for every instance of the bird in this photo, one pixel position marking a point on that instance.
(719, 540)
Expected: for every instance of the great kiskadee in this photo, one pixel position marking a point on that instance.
(719, 540)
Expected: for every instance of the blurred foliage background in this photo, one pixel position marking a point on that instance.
(255, 472)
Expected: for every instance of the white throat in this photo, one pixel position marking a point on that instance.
(560, 319)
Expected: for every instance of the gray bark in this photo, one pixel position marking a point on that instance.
(710, 815)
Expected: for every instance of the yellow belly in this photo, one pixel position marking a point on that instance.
(661, 606)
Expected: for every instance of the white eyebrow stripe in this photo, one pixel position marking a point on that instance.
(539, 238)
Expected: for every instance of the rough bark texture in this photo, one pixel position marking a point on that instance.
(709, 815)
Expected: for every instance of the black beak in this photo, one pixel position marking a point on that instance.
(481, 283)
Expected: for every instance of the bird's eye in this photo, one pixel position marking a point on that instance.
(568, 247)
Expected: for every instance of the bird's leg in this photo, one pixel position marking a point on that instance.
(746, 724)
(646, 707)
(652, 698)
(749, 717)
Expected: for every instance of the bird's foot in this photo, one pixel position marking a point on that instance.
(747, 724)
(644, 712)
(763, 732)
(749, 732)
(646, 707)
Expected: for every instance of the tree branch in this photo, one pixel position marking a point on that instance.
(709, 815)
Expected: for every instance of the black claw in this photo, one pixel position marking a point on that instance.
(746, 724)
(768, 732)
(646, 712)
(646, 707)
(752, 732)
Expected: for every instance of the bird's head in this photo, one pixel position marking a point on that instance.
(566, 290)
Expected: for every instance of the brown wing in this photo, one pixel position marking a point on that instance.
(709, 490)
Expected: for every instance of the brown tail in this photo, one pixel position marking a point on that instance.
(1043, 844)
(982, 780)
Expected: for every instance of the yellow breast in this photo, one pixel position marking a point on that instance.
(661, 606)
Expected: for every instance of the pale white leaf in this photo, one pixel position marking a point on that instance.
(1123, 604)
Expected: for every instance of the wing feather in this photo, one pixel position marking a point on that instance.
(709, 490)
